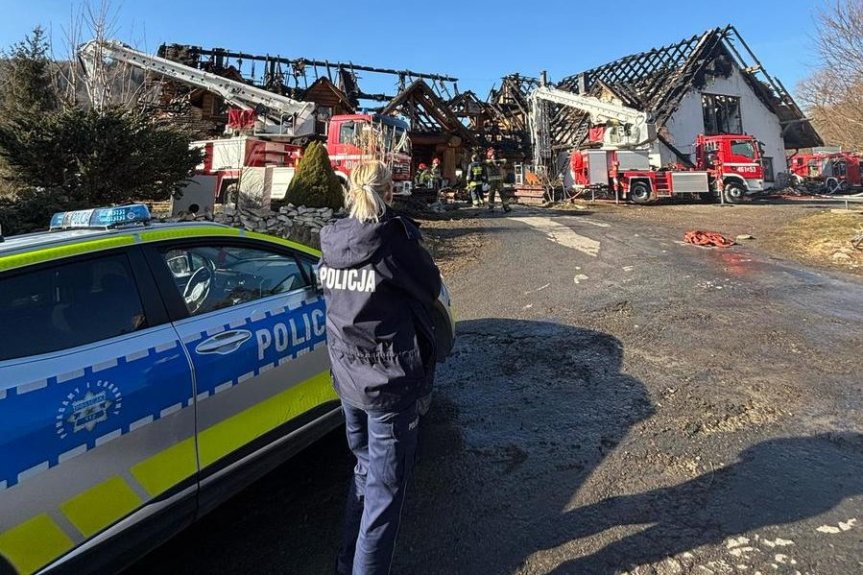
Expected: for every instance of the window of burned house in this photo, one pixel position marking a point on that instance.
(769, 173)
(721, 114)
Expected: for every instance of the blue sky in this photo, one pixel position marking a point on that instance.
(478, 42)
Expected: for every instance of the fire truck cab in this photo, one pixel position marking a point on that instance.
(349, 135)
(733, 161)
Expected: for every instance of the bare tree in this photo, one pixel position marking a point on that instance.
(834, 93)
(95, 79)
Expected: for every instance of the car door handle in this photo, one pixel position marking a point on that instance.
(224, 343)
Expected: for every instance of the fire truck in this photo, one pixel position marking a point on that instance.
(269, 133)
(830, 170)
(728, 164)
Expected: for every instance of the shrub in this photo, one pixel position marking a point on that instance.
(315, 183)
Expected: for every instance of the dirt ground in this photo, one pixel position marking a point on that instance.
(456, 242)
(813, 234)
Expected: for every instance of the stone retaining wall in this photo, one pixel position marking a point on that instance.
(299, 224)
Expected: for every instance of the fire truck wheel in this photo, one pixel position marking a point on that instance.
(734, 193)
(831, 186)
(640, 193)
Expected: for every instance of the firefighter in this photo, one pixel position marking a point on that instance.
(435, 176)
(495, 181)
(382, 348)
(477, 177)
(422, 175)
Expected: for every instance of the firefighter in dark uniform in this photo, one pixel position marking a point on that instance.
(379, 286)
(477, 177)
(495, 181)
(435, 175)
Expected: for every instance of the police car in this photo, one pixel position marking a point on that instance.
(148, 372)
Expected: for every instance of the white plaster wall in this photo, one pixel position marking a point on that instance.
(688, 121)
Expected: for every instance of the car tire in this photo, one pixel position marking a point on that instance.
(639, 193)
(734, 193)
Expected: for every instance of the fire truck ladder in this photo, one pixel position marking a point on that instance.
(599, 111)
(279, 114)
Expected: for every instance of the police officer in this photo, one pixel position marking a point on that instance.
(380, 337)
(477, 176)
(495, 181)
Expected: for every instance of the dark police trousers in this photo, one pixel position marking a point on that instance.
(384, 444)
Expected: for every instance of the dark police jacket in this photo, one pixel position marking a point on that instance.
(380, 285)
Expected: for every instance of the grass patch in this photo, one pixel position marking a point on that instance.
(824, 239)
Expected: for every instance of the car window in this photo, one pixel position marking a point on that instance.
(347, 133)
(743, 148)
(68, 305)
(212, 277)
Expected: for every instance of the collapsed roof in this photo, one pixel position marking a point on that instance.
(657, 80)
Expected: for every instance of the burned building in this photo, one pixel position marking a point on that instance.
(711, 83)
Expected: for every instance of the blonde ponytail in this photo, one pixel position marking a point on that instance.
(370, 187)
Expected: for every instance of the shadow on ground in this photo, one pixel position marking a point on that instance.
(525, 412)
(774, 483)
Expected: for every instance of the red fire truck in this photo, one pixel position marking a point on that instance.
(728, 164)
(830, 170)
(261, 165)
(256, 165)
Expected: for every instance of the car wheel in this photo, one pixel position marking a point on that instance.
(734, 193)
(640, 193)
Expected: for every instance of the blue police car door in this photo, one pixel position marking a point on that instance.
(254, 327)
(95, 396)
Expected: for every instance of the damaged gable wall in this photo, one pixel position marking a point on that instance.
(688, 120)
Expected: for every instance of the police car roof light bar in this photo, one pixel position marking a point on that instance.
(101, 218)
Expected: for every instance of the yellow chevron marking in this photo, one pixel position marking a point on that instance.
(34, 543)
(238, 430)
(101, 505)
